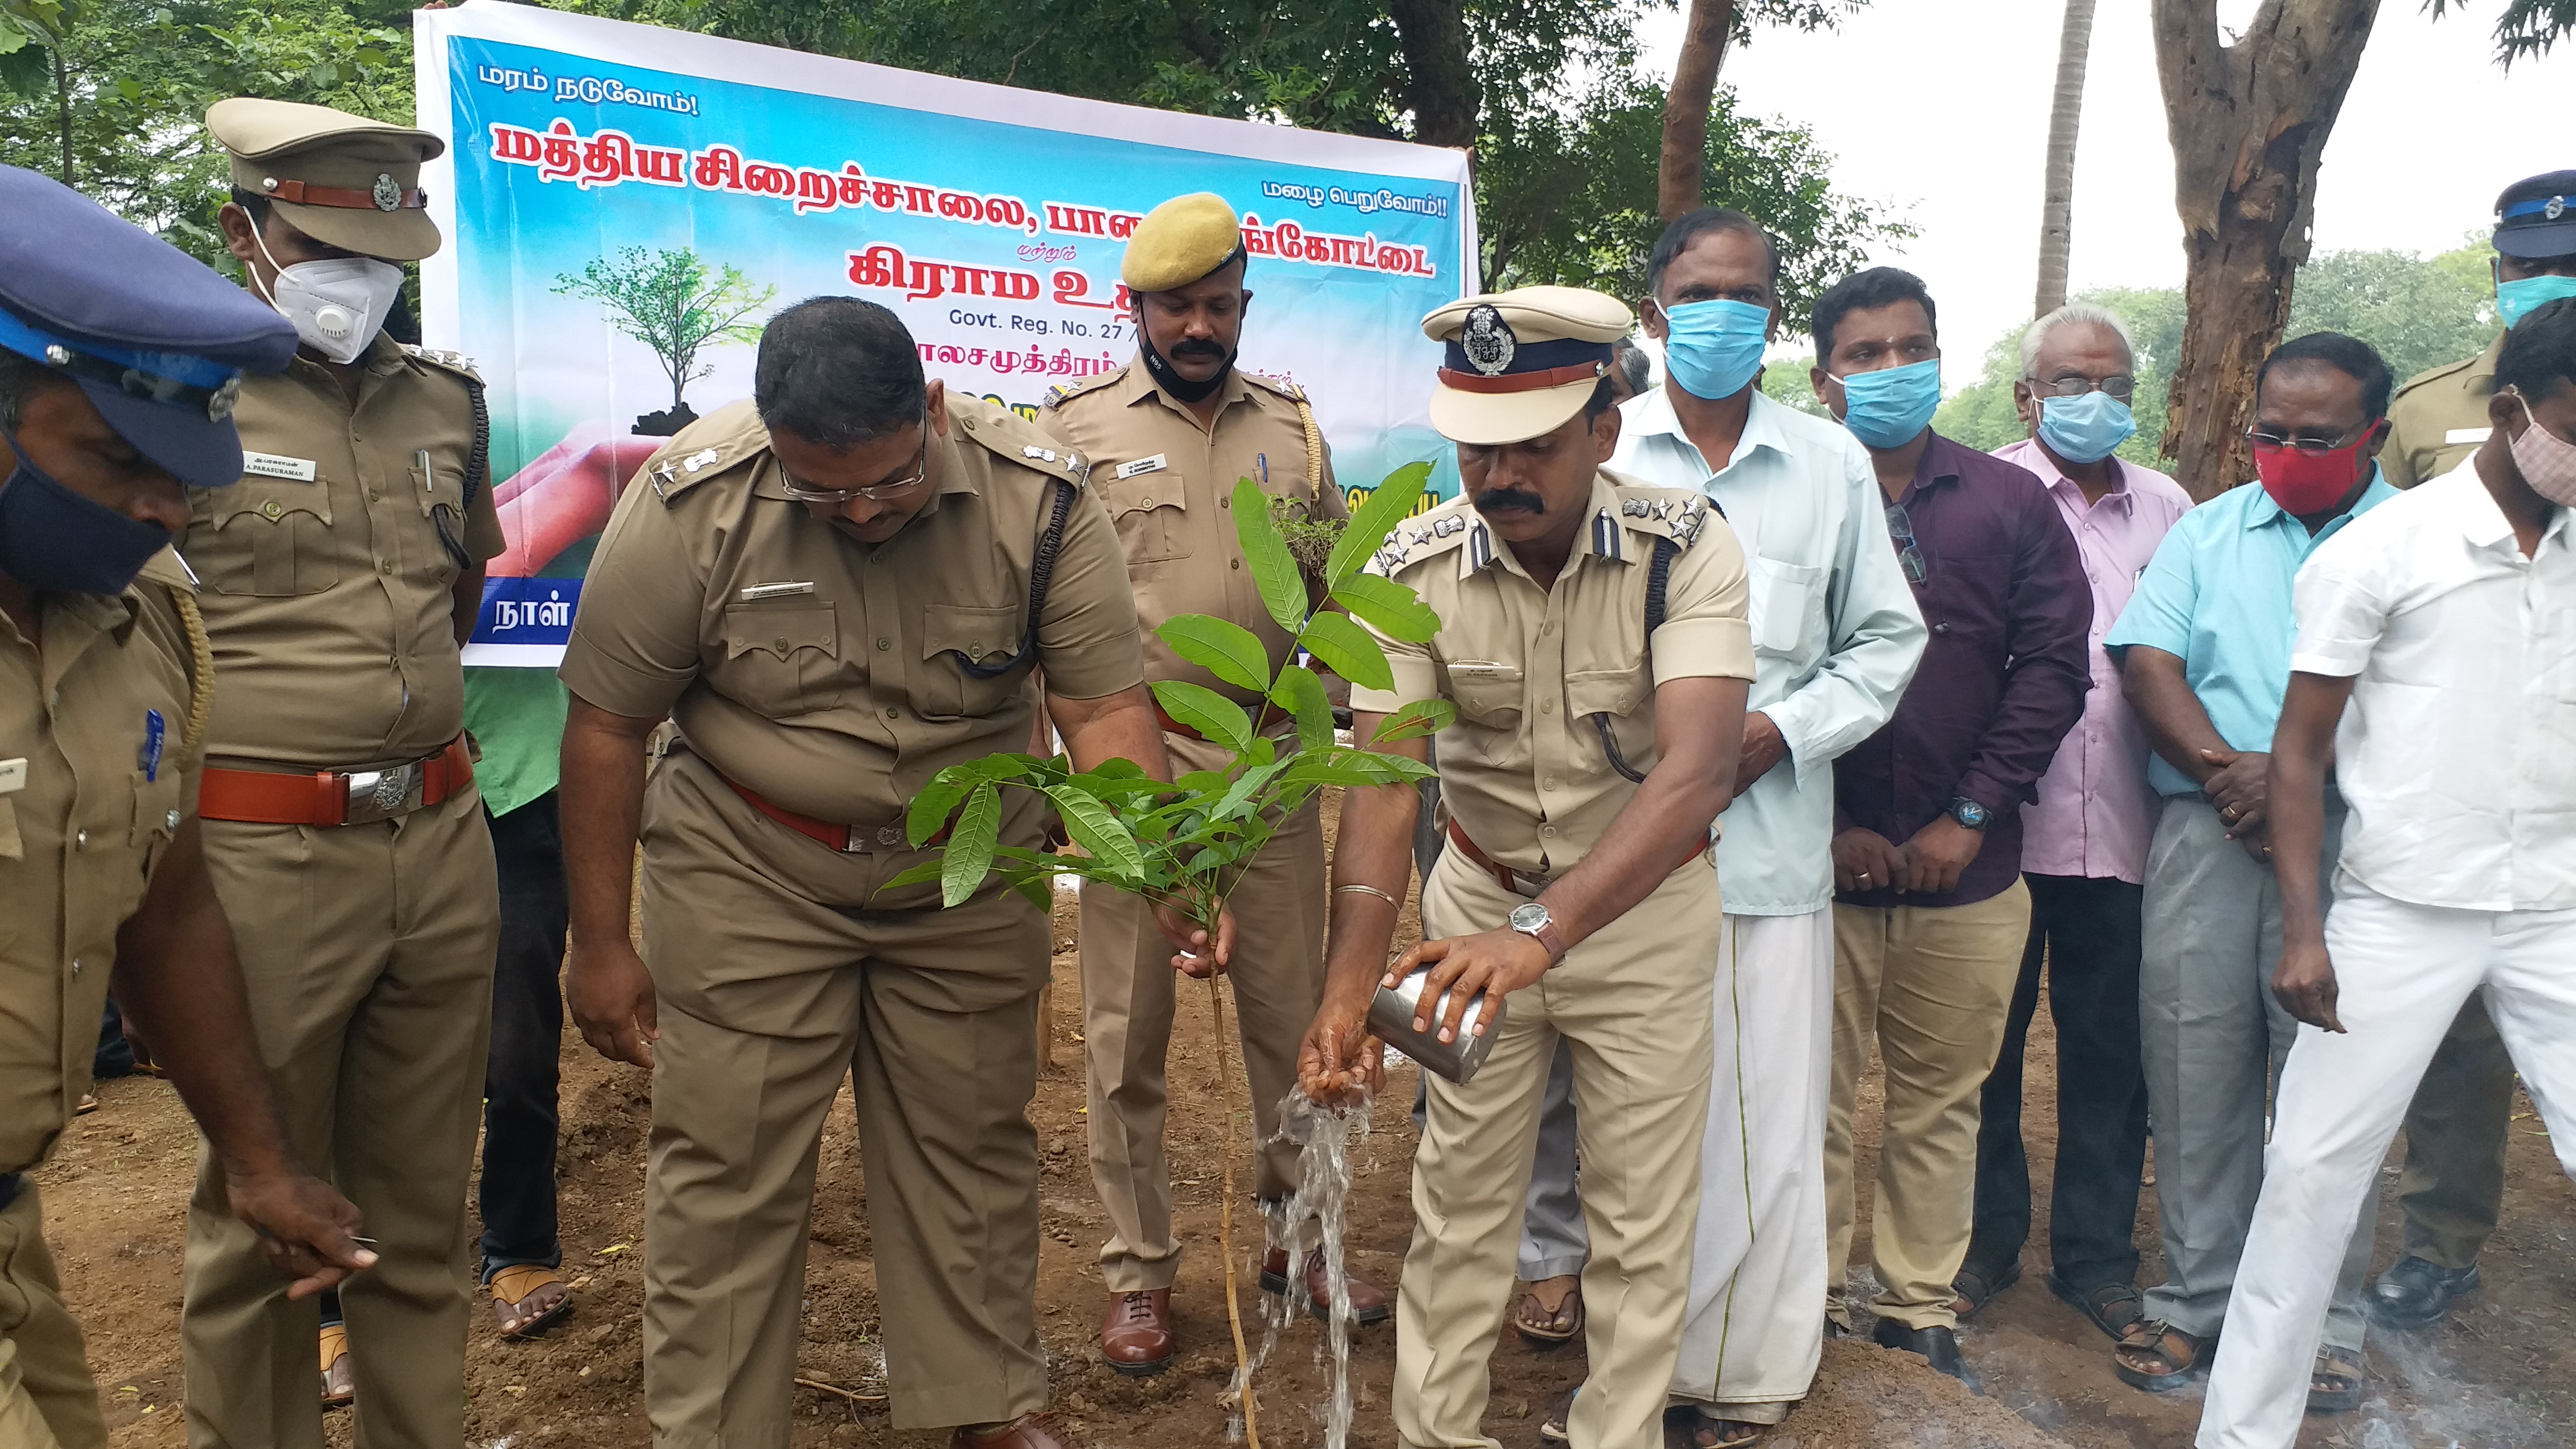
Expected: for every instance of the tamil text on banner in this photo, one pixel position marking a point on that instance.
(623, 205)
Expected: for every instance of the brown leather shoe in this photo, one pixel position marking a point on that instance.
(1136, 1337)
(1368, 1305)
(1029, 1431)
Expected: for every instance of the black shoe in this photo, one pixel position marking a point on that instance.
(1936, 1345)
(2415, 1294)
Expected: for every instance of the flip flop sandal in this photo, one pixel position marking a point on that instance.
(2336, 1384)
(1532, 1320)
(1689, 1427)
(514, 1286)
(1551, 1429)
(1975, 1290)
(2176, 1367)
(2113, 1308)
(88, 1104)
(339, 1376)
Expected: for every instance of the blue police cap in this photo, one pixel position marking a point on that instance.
(156, 338)
(2536, 217)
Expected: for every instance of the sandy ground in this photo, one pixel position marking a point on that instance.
(2500, 1374)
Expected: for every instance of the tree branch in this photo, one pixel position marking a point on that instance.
(1679, 172)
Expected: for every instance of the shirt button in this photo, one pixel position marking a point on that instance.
(1225, 503)
(885, 644)
(779, 643)
(270, 509)
(81, 841)
(1149, 503)
(76, 965)
(1548, 831)
(1235, 563)
(1548, 628)
(1547, 706)
(385, 567)
(894, 714)
(1940, 628)
(1548, 784)
(171, 819)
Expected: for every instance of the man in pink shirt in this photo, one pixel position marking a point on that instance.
(2084, 856)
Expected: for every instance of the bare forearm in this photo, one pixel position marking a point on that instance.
(1121, 726)
(1373, 848)
(2178, 728)
(468, 604)
(2301, 747)
(178, 976)
(603, 805)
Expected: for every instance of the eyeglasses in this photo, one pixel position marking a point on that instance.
(2118, 385)
(2307, 447)
(804, 492)
(1909, 556)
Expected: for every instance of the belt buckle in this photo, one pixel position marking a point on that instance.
(382, 794)
(864, 841)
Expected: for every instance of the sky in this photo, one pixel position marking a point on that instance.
(1941, 106)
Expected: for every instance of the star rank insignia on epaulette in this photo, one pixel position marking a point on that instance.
(1693, 517)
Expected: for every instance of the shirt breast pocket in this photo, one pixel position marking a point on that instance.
(952, 634)
(1151, 511)
(440, 495)
(780, 662)
(1785, 604)
(1615, 699)
(1492, 695)
(272, 538)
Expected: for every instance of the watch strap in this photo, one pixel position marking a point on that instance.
(1547, 936)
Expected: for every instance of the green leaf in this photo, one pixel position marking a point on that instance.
(1348, 651)
(969, 857)
(1302, 694)
(936, 801)
(1388, 607)
(1205, 710)
(1222, 648)
(1392, 503)
(1038, 889)
(1274, 569)
(1415, 720)
(922, 874)
(1097, 830)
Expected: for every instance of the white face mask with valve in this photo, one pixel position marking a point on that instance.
(338, 305)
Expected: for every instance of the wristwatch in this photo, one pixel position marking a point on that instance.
(1971, 814)
(1532, 920)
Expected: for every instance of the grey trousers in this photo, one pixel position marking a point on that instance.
(1553, 1242)
(2215, 1040)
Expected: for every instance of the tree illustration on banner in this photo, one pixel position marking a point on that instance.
(677, 304)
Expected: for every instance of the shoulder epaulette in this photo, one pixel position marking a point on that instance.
(1063, 392)
(1279, 385)
(708, 448)
(455, 362)
(1426, 536)
(2448, 369)
(1677, 513)
(1006, 434)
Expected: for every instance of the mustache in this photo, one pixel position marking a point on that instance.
(1195, 348)
(1506, 500)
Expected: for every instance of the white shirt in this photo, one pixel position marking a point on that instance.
(1836, 633)
(2458, 751)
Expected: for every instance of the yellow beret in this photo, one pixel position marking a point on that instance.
(343, 180)
(1181, 241)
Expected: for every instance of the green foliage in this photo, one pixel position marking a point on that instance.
(1982, 416)
(672, 302)
(1310, 540)
(1178, 844)
(2526, 28)
(1784, 381)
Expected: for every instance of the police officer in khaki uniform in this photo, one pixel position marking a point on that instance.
(347, 841)
(1168, 435)
(1593, 638)
(834, 591)
(119, 363)
(2453, 1185)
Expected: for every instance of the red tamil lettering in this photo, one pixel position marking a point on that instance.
(719, 169)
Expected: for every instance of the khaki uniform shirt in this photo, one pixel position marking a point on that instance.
(81, 829)
(1169, 485)
(329, 596)
(821, 672)
(2438, 419)
(1523, 771)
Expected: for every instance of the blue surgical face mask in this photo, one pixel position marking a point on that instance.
(54, 540)
(2085, 429)
(2520, 298)
(1891, 407)
(1714, 348)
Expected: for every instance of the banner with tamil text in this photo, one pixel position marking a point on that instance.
(624, 204)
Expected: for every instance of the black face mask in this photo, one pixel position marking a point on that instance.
(55, 541)
(1172, 382)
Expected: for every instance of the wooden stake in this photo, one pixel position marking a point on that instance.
(1225, 1223)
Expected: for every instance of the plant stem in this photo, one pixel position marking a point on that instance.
(1225, 1224)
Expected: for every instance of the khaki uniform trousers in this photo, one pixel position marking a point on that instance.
(779, 971)
(47, 1398)
(1930, 987)
(368, 953)
(1129, 994)
(1634, 1000)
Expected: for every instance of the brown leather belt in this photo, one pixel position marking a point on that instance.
(336, 797)
(1522, 882)
(847, 839)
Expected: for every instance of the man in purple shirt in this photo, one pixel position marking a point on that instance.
(2083, 857)
(1931, 913)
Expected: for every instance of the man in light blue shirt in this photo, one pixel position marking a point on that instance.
(1836, 635)
(2204, 649)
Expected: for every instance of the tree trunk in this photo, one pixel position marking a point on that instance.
(1440, 87)
(1677, 173)
(2057, 196)
(2248, 122)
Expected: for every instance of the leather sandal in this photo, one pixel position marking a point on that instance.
(516, 1288)
(1975, 1289)
(1547, 1327)
(339, 1375)
(2336, 1383)
(2113, 1308)
(2163, 1358)
(1687, 1426)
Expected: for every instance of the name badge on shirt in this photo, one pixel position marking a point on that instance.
(1143, 466)
(2465, 435)
(272, 465)
(757, 592)
(13, 775)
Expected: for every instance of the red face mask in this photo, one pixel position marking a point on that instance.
(2304, 484)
